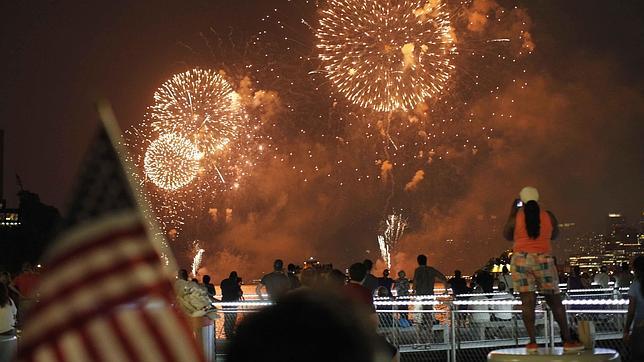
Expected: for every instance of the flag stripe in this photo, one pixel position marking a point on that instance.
(111, 292)
(45, 353)
(125, 249)
(158, 338)
(181, 341)
(135, 330)
(90, 344)
(72, 347)
(91, 229)
(187, 331)
(79, 319)
(94, 278)
(114, 291)
(105, 240)
(108, 345)
(125, 342)
(58, 350)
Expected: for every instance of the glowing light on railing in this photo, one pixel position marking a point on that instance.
(613, 302)
(609, 283)
(247, 296)
(394, 302)
(590, 290)
(415, 297)
(482, 294)
(487, 302)
(243, 304)
(596, 302)
(597, 311)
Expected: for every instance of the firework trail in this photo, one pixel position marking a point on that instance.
(392, 230)
(196, 260)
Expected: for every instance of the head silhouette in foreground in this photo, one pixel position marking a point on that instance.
(305, 325)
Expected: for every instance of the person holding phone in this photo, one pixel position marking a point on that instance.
(533, 267)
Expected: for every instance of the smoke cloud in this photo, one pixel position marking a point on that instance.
(386, 170)
(554, 140)
(478, 14)
(413, 183)
(571, 125)
(551, 127)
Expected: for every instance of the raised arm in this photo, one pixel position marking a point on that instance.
(555, 226)
(508, 229)
(258, 290)
(440, 276)
(412, 283)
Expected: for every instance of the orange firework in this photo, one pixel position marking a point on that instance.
(386, 55)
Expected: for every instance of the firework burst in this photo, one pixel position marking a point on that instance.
(390, 95)
(171, 161)
(406, 76)
(188, 159)
(386, 55)
(199, 105)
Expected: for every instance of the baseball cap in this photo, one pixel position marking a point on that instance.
(529, 193)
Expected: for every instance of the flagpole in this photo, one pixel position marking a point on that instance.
(153, 231)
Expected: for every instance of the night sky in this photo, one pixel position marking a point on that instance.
(577, 134)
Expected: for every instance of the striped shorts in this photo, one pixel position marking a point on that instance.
(534, 271)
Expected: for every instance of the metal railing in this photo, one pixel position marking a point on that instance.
(442, 328)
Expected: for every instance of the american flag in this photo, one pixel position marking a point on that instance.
(104, 295)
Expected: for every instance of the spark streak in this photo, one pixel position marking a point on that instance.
(393, 228)
(196, 261)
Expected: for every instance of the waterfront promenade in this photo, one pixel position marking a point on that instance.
(468, 327)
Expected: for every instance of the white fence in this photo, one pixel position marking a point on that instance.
(442, 328)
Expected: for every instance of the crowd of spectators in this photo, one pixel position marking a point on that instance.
(353, 291)
(359, 285)
(16, 295)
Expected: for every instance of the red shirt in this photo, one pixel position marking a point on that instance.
(360, 295)
(523, 243)
(26, 283)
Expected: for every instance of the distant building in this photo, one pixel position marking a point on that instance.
(25, 232)
(565, 244)
(615, 223)
(486, 231)
(11, 239)
(9, 218)
(586, 262)
(620, 244)
(641, 234)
